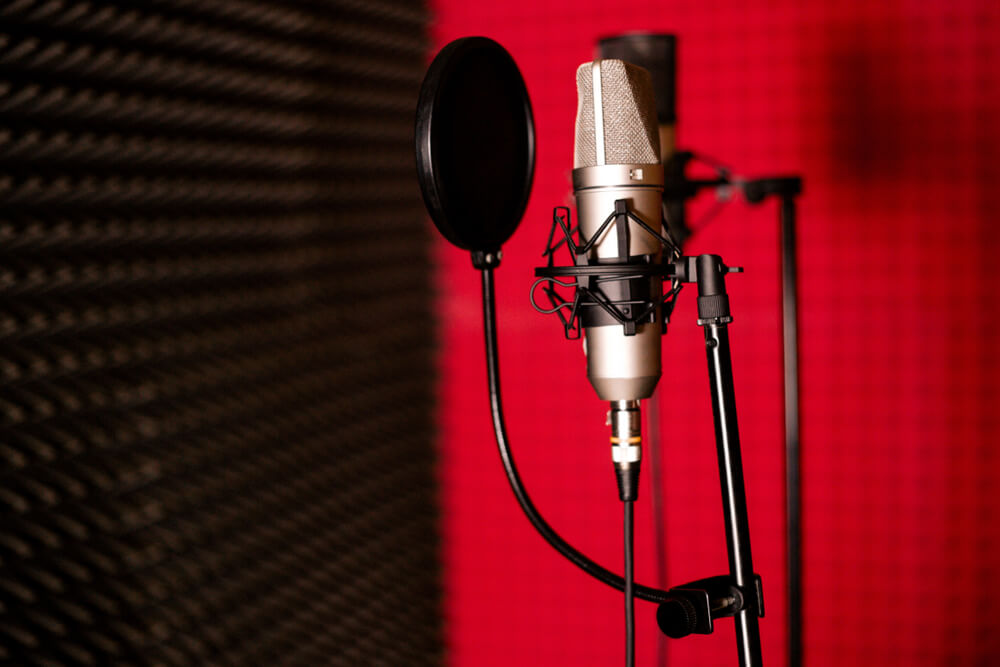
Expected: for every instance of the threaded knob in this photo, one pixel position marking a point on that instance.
(677, 617)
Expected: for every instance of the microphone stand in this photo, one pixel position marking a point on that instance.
(691, 608)
(658, 54)
(714, 317)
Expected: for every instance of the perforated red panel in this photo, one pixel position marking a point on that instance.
(890, 111)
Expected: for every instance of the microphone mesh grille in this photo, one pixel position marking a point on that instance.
(629, 112)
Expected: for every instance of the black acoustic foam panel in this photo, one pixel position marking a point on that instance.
(216, 360)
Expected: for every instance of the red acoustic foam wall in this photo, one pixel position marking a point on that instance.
(890, 111)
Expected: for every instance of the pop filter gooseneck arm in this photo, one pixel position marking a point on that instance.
(574, 555)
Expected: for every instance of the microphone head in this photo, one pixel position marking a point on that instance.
(624, 128)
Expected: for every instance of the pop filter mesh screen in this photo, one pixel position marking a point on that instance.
(216, 356)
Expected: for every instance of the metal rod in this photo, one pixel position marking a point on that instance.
(793, 471)
(727, 439)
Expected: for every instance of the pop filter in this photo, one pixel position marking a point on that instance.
(475, 141)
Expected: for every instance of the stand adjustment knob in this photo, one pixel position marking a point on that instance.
(677, 617)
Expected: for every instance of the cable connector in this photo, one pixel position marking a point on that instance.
(626, 446)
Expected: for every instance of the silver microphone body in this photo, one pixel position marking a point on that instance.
(617, 158)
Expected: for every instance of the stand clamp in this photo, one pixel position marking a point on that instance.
(693, 607)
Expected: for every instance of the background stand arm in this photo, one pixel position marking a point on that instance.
(793, 488)
(786, 189)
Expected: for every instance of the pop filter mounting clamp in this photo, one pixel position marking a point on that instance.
(475, 150)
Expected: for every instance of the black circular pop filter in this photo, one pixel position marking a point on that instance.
(475, 144)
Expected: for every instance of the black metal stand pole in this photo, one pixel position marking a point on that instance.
(793, 488)
(713, 316)
(786, 188)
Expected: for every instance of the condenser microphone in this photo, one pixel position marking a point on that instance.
(617, 166)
